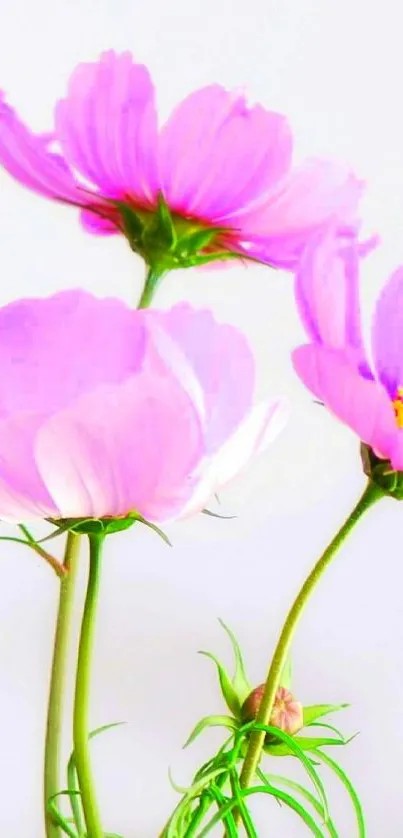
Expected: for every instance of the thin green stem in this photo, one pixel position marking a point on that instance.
(152, 279)
(81, 700)
(371, 494)
(58, 679)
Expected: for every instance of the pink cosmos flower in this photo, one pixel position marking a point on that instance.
(366, 395)
(217, 163)
(105, 410)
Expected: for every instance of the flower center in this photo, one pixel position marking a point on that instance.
(398, 407)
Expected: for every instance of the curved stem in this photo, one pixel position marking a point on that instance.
(58, 679)
(371, 494)
(81, 699)
(152, 278)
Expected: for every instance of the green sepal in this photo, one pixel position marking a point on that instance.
(389, 481)
(306, 743)
(98, 526)
(211, 721)
(317, 711)
(197, 240)
(230, 697)
(216, 515)
(240, 680)
(159, 236)
(133, 225)
(206, 258)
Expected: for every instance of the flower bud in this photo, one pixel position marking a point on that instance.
(287, 713)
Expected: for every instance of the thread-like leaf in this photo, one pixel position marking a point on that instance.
(286, 798)
(211, 721)
(306, 762)
(303, 792)
(341, 774)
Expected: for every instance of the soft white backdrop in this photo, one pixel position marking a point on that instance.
(336, 70)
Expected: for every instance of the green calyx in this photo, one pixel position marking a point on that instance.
(103, 526)
(168, 241)
(381, 473)
(237, 692)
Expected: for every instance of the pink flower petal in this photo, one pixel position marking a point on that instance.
(107, 127)
(327, 292)
(53, 350)
(260, 427)
(122, 448)
(361, 404)
(318, 192)
(218, 155)
(387, 333)
(23, 495)
(26, 157)
(212, 361)
(97, 224)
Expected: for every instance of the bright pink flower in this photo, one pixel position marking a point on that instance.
(217, 162)
(105, 410)
(368, 398)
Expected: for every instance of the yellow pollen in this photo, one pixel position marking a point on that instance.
(398, 407)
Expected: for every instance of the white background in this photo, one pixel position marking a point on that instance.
(336, 69)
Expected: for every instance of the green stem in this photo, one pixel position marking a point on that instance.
(152, 278)
(58, 679)
(81, 700)
(371, 494)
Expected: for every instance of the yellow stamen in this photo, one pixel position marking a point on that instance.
(398, 407)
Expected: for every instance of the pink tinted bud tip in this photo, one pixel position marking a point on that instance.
(287, 713)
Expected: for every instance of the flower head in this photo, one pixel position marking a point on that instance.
(215, 180)
(367, 396)
(105, 411)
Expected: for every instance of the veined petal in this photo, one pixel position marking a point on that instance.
(360, 403)
(27, 158)
(213, 363)
(107, 126)
(23, 495)
(262, 425)
(53, 350)
(387, 334)
(327, 292)
(129, 447)
(217, 154)
(319, 192)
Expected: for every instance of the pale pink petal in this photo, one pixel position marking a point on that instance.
(52, 350)
(387, 333)
(23, 495)
(212, 361)
(96, 224)
(218, 155)
(277, 230)
(262, 425)
(107, 127)
(327, 291)
(122, 448)
(27, 158)
(361, 404)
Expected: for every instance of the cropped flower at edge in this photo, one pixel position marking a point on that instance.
(222, 168)
(334, 365)
(106, 411)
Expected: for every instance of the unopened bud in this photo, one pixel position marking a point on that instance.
(287, 713)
